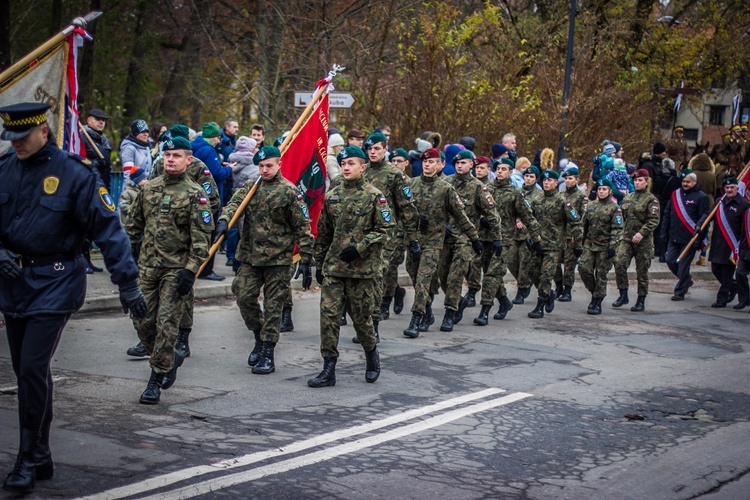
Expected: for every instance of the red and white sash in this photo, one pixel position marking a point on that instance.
(728, 234)
(684, 216)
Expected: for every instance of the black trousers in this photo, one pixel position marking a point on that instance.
(743, 289)
(680, 269)
(724, 273)
(32, 344)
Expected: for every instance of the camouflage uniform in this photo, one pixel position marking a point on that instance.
(568, 261)
(520, 261)
(640, 209)
(275, 218)
(602, 227)
(479, 263)
(354, 213)
(173, 218)
(398, 257)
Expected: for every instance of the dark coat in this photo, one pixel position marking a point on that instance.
(735, 209)
(696, 204)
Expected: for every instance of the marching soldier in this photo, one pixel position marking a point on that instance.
(275, 218)
(474, 276)
(519, 262)
(400, 160)
(677, 147)
(353, 227)
(602, 226)
(640, 211)
(565, 279)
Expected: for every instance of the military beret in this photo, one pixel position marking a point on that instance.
(641, 172)
(98, 113)
(730, 180)
(400, 152)
(508, 161)
(179, 130)
(375, 138)
(430, 153)
(351, 152)
(571, 172)
(19, 119)
(534, 170)
(483, 159)
(550, 174)
(464, 154)
(605, 182)
(265, 153)
(176, 143)
(210, 130)
(685, 172)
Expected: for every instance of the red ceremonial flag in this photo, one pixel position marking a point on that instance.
(303, 162)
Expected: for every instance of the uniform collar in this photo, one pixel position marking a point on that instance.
(353, 184)
(174, 178)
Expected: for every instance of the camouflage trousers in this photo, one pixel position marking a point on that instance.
(453, 269)
(494, 271)
(288, 300)
(643, 253)
(357, 295)
(186, 321)
(516, 257)
(274, 280)
(158, 330)
(593, 267)
(396, 259)
(542, 271)
(566, 269)
(474, 276)
(422, 274)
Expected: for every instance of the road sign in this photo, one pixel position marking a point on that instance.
(337, 99)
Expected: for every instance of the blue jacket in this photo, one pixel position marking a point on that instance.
(226, 146)
(206, 153)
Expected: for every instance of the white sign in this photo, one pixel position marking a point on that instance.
(337, 99)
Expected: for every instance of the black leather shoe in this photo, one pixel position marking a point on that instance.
(521, 294)
(538, 311)
(23, 476)
(95, 268)
(459, 315)
(741, 305)
(213, 277)
(471, 297)
(372, 371)
(385, 308)
(551, 302)
(719, 304)
(596, 306)
(287, 325)
(640, 304)
(398, 300)
(45, 468)
(89, 270)
(230, 262)
(152, 394)
(326, 378)
(343, 320)
(181, 344)
(567, 294)
(139, 350)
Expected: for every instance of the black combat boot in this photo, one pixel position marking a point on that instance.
(427, 319)
(138, 351)
(23, 476)
(596, 308)
(640, 304)
(45, 468)
(375, 325)
(505, 306)
(622, 299)
(326, 378)
(447, 325)
(252, 360)
(385, 308)
(343, 319)
(567, 294)
(521, 294)
(181, 344)
(171, 377)
(398, 300)
(484, 315)
(551, 302)
(372, 371)
(287, 325)
(459, 315)
(471, 297)
(558, 288)
(538, 311)
(592, 303)
(265, 362)
(412, 331)
(153, 389)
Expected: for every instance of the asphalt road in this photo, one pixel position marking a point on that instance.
(623, 405)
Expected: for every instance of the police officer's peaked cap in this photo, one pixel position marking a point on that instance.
(375, 138)
(550, 174)
(265, 153)
(351, 152)
(19, 119)
(679, 128)
(98, 113)
(176, 143)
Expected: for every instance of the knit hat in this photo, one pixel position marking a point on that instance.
(468, 142)
(532, 170)
(608, 148)
(210, 130)
(138, 127)
(430, 153)
(335, 140)
(400, 152)
(375, 138)
(464, 155)
(571, 171)
(498, 150)
(659, 148)
(179, 130)
(176, 143)
(451, 150)
(245, 144)
(482, 159)
(730, 179)
(137, 174)
(351, 152)
(630, 168)
(617, 146)
(265, 153)
(641, 172)
(550, 174)
(422, 145)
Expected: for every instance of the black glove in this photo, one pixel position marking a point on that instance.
(185, 282)
(318, 275)
(484, 223)
(697, 231)
(222, 228)
(424, 223)
(303, 269)
(529, 244)
(132, 300)
(349, 254)
(498, 247)
(9, 268)
(415, 251)
(698, 244)
(537, 248)
(577, 251)
(476, 245)
(610, 253)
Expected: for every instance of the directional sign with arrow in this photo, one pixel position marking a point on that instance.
(337, 99)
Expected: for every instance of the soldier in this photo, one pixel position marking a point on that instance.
(640, 211)
(565, 279)
(519, 262)
(436, 200)
(685, 213)
(49, 202)
(400, 160)
(602, 226)
(474, 276)
(479, 207)
(275, 218)
(555, 218)
(725, 240)
(353, 226)
(677, 147)
(172, 217)
(511, 206)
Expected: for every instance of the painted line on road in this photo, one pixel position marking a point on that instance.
(212, 485)
(192, 472)
(11, 389)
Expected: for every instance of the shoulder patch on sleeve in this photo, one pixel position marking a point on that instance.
(206, 171)
(202, 200)
(106, 199)
(382, 199)
(207, 188)
(299, 197)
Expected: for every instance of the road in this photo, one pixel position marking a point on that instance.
(622, 405)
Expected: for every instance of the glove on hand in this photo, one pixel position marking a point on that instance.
(577, 251)
(484, 223)
(498, 247)
(185, 282)
(610, 253)
(537, 248)
(349, 254)
(424, 223)
(415, 251)
(222, 228)
(303, 269)
(9, 268)
(529, 244)
(476, 245)
(132, 300)
(319, 275)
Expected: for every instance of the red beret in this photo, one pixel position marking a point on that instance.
(430, 153)
(482, 159)
(641, 172)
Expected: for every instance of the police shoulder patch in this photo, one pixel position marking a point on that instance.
(305, 211)
(618, 220)
(106, 199)
(407, 192)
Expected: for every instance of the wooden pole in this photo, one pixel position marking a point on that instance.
(84, 132)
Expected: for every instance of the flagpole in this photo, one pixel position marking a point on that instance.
(47, 46)
(317, 96)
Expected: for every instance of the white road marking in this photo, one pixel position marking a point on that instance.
(192, 472)
(13, 388)
(211, 485)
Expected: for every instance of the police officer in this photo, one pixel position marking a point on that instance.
(353, 226)
(49, 202)
(275, 218)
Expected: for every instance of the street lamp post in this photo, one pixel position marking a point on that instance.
(566, 88)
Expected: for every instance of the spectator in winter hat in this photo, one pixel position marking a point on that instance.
(135, 151)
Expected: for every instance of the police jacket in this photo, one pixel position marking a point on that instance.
(50, 203)
(695, 202)
(733, 214)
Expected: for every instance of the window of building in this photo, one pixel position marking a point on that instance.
(691, 134)
(716, 115)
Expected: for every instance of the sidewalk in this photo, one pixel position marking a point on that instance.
(102, 295)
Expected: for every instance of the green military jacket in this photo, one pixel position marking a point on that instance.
(512, 206)
(355, 213)
(602, 225)
(577, 199)
(640, 209)
(558, 220)
(199, 172)
(173, 218)
(395, 187)
(436, 202)
(529, 193)
(275, 218)
(478, 203)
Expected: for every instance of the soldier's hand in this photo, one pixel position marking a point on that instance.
(9, 268)
(529, 244)
(476, 245)
(577, 251)
(498, 247)
(132, 300)
(537, 248)
(222, 228)
(484, 223)
(637, 237)
(319, 275)
(424, 223)
(303, 269)
(610, 253)
(415, 251)
(185, 282)
(349, 254)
